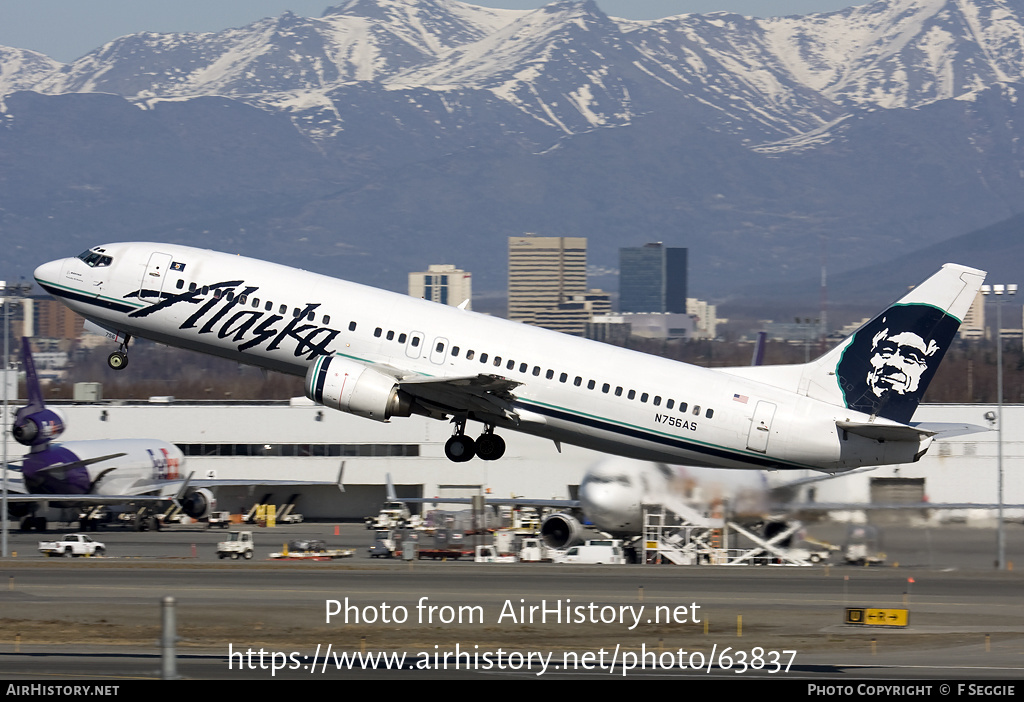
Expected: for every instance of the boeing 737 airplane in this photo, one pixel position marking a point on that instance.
(380, 355)
(140, 472)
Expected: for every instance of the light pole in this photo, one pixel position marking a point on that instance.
(7, 291)
(999, 291)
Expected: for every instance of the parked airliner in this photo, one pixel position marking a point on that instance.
(145, 473)
(380, 355)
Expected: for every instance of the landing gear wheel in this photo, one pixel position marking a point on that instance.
(460, 448)
(117, 360)
(490, 447)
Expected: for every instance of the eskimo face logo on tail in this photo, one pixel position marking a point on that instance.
(898, 362)
(888, 364)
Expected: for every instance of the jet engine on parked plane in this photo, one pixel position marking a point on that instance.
(352, 387)
(561, 530)
(37, 428)
(198, 503)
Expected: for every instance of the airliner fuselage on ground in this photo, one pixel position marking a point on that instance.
(381, 355)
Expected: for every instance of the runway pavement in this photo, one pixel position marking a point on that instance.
(77, 618)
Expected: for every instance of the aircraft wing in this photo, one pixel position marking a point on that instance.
(483, 394)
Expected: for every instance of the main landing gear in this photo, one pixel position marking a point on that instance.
(461, 448)
(119, 359)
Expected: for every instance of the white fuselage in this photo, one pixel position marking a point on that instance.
(571, 389)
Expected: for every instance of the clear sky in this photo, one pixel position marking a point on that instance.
(67, 29)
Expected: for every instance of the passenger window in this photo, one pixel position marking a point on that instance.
(631, 395)
(470, 354)
(230, 296)
(682, 407)
(351, 326)
(643, 398)
(523, 367)
(510, 365)
(296, 312)
(377, 332)
(670, 404)
(618, 391)
(269, 306)
(191, 287)
(206, 290)
(255, 303)
(710, 413)
(536, 370)
(242, 299)
(440, 347)
(483, 358)
(217, 293)
(497, 361)
(563, 377)
(403, 337)
(283, 309)
(550, 374)
(696, 410)
(415, 340)
(578, 381)
(390, 335)
(311, 316)
(181, 283)
(591, 385)
(657, 400)
(455, 350)
(327, 319)
(606, 387)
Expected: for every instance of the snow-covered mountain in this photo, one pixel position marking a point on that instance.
(567, 65)
(895, 121)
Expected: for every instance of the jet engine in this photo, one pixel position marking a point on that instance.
(560, 530)
(198, 503)
(38, 427)
(352, 387)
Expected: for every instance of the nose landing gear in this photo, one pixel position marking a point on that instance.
(119, 359)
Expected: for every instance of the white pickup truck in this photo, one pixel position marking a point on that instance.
(72, 545)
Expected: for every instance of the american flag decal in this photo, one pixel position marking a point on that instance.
(740, 398)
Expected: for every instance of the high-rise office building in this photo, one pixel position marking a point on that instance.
(652, 278)
(543, 273)
(442, 283)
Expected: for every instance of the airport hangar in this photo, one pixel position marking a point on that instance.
(299, 440)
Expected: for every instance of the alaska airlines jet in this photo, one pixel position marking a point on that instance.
(140, 472)
(380, 355)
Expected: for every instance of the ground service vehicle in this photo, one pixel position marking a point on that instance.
(238, 544)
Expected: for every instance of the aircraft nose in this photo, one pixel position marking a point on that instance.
(48, 272)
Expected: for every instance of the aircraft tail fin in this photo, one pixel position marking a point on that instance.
(35, 394)
(884, 368)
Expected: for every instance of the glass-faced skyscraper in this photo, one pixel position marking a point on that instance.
(652, 278)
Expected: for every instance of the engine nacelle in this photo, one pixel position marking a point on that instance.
(561, 530)
(38, 428)
(348, 386)
(199, 503)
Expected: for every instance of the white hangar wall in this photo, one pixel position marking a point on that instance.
(302, 441)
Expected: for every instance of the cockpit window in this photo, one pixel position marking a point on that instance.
(95, 260)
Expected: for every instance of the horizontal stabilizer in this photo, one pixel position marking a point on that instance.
(947, 430)
(885, 432)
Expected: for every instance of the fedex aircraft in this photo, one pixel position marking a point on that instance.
(380, 355)
(92, 472)
(146, 473)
